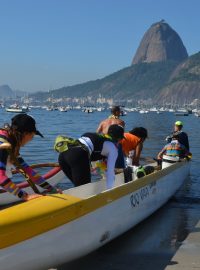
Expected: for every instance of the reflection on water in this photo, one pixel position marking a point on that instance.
(152, 243)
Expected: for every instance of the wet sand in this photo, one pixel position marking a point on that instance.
(169, 239)
(188, 255)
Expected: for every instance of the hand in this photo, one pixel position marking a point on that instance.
(54, 190)
(59, 190)
(29, 197)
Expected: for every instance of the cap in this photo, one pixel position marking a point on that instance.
(179, 123)
(25, 123)
(116, 132)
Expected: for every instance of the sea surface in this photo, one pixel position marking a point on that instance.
(154, 241)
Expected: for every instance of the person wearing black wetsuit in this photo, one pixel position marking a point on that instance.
(75, 161)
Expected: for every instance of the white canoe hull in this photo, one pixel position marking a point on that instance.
(85, 234)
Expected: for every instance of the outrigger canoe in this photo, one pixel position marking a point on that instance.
(54, 176)
(58, 228)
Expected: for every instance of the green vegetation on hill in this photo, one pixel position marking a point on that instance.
(157, 80)
(145, 79)
(190, 71)
(184, 84)
(137, 81)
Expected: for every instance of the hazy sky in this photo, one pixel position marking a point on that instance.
(47, 44)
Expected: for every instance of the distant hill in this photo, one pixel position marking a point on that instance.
(5, 91)
(160, 43)
(166, 81)
(184, 83)
(135, 82)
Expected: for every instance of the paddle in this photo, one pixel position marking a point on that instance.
(40, 165)
(31, 183)
(21, 170)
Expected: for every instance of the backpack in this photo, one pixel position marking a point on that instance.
(63, 143)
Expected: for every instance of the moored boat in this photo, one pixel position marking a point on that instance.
(88, 110)
(143, 111)
(62, 109)
(181, 114)
(197, 114)
(82, 219)
(17, 109)
(123, 113)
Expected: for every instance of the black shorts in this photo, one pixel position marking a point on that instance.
(75, 163)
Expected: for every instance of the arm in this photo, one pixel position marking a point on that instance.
(110, 151)
(122, 123)
(137, 153)
(6, 182)
(34, 176)
(186, 153)
(161, 153)
(184, 140)
(100, 128)
(187, 143)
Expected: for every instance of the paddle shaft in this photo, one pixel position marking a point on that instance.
(31, 183)
(28, 179)
(40, 165)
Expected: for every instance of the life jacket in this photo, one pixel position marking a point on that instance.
(63, 143)
(183, 138)
(97, 141)
(175, 149)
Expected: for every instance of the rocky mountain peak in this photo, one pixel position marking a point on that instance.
(160, 43)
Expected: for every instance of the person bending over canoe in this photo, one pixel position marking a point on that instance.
(75, 160)
(111, 120)
(12, 138)
(174, 149)
(132, 144)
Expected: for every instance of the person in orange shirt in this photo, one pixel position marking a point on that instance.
(133, 142)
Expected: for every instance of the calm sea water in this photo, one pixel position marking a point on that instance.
(161, 234)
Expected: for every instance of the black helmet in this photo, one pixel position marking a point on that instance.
(116, 132)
